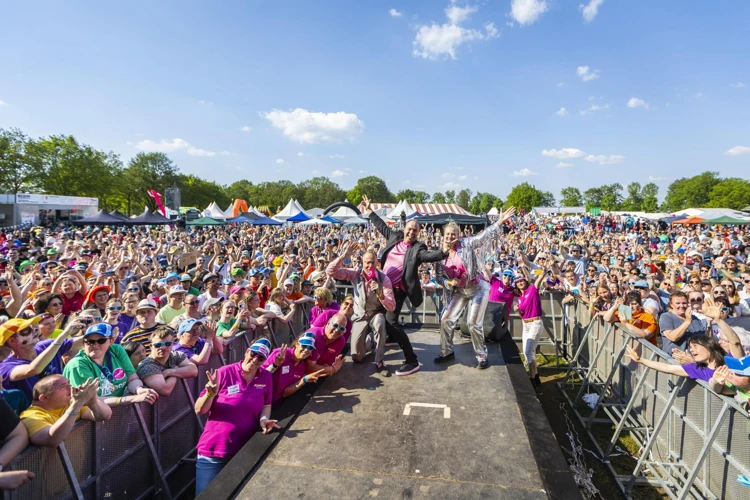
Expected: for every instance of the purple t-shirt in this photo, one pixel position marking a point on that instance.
(326, 316)
(698, 372)
(317, 311)
(124, 325)
(235, 413)
(27, 385)
(325, 354)
(190, 351)
(529, 303)
(501, 293)
(285, 375)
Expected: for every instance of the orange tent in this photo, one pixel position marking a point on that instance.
(238, 207)
(690, 221)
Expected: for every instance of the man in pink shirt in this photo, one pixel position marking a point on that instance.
(373, 296)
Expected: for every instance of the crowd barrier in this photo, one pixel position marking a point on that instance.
(693, 442)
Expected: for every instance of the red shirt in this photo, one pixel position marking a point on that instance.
(72, 304)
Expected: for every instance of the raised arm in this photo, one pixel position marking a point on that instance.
(376, 221)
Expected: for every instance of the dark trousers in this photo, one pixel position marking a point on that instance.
(393, 327)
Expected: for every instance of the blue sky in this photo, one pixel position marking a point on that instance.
(428, 95)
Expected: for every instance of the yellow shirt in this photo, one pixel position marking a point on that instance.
(36, 418)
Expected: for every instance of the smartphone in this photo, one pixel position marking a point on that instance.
(108, 273)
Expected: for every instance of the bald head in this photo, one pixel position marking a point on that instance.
(411, 231)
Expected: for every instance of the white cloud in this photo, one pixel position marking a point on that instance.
(461, 177)
(562, 164)
(361, 172)
(246, 129)
(574, 154)
(447, 175)
(738, 150)
(395, 13)
(593, 108)
(209, 103)
(176, 144)
(457, 15)
(587, 74)
(3, 103)
(280, 161)
(300, 154)
(564, 153)
(737, 85)
(338, 173)
(336, 156)
(591, 10)
(562, 112)
(605, 159)
(634, 103)
(524, 172)
(316, 172)
(438, 41)
(304, 126)
(451, 185)
(527, 11)
(227, 153)
(651, 178)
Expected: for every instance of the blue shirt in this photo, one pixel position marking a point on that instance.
(27, 385)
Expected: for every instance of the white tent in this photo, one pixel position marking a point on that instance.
(315, 222)
(402, 206)
(493, 211)
(343, 213)
(214, 211)
(290, 210)
(358, 221)
(315, 212)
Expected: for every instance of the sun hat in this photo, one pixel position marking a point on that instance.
(146, 304)
(15, 325)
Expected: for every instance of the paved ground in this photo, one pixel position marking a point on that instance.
(353, 439)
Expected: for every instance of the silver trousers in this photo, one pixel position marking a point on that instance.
(476, 298)
(360, 328)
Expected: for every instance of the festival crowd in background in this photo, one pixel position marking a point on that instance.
(98, 317)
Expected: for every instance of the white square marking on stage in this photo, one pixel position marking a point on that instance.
(446, 409)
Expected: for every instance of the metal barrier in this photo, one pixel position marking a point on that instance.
(143, 451)
(693, 441)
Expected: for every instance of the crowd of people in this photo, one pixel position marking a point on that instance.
(93, 318)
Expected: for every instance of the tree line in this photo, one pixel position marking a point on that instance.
(61, 165)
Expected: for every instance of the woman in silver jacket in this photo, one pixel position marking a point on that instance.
(461, 278)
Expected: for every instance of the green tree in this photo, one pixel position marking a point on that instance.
(525, 196)
(548, 199)
(439, 198)
(17, 173)
(146, 171)
(634, 200)
(482, 203)
(372, 186)
(275, 194)
(463, 199)
(593, 197)
(450, 196)
(730, 193)
(67, 167)
(611, 196)
(650, 196)
(319, 192)
(571, 197)
(413, 196)
(690, 191)
(241, 190)
(197, 192)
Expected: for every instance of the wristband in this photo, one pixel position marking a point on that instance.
(210, 394)
(305, 379)
(71, 413)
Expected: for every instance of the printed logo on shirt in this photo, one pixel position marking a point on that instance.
(259, 386)
(119, 374)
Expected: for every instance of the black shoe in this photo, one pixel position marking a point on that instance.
(483, 364)
(443, 359)
(407, 369)
(382, 370)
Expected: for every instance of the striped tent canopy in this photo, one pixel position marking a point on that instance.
(426, 208)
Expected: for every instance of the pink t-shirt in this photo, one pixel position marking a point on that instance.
(325, 316)
(394, 263)
(455, 269)
(501, 293)
(316, 311)
(285, 375)
(325, 354)
(529, 303)
(235, 413)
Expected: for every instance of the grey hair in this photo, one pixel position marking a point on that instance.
(451, 225)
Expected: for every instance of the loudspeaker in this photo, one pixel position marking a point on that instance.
(494, 322)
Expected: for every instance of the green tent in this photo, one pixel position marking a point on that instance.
(727, 221)
(206, 221)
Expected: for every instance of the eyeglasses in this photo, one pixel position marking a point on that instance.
(338, 327)
(55, 304)
(694, 282)
(191, 303)
(696, 301)
(100, 341)
(719, 292)
(114, 308)
(136, 289)
(166, 343)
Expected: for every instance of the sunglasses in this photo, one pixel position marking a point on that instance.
(338, 327)
(191, 303)
(114, 308)
(694, 282)
(726, 309)
(254, 355)
(696, 301)
(134, 289)
(166, 343)
(100, 341)
(719, 292)
(306, 348)
(55, 304)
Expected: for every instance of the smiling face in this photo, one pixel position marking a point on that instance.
(451, 235)
(411, 231)
(700, 354)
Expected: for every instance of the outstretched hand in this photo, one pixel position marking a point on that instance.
(506, 215)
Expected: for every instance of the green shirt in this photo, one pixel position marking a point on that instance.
(223, 327)
(113, 375)
(168, 313)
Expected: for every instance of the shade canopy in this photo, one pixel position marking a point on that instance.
(299, 217)
(690, 221)
(727, 220)
(150, 219)
(330, 219)
(441, 219)
(206, 221)
(120, 215)
(315, 222)
(101, 218)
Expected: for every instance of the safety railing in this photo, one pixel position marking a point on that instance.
(693, 442)
(143, 451)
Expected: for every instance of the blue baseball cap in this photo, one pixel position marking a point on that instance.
(103, 329)
(261, 346)
(307, 342)
(188, 325)
(171, 275)
(253, 272)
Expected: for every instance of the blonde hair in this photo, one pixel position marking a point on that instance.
(324, 294)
